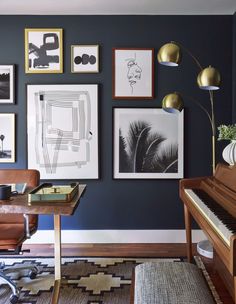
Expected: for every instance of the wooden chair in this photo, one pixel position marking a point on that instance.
(16, 228)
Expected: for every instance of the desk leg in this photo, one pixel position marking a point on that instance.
(57, 258)
(187, 218)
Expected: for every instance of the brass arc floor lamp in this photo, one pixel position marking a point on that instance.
(207, 79)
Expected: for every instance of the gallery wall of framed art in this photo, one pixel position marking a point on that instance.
(114, 199)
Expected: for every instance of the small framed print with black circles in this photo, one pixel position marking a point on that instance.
(85, 59)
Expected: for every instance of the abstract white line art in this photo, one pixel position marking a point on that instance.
(62, 125)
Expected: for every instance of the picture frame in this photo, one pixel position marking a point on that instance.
(43, 50)
(147, 144)
(133, 73)
(7, 137)
(7, 83)
(85, 59)
(63, 148)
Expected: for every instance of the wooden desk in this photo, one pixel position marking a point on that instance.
(19, 204)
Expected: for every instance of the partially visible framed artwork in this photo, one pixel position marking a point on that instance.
(7, 137)
(133, 73)
(43, 50)
(7, 83)
(84, 58)
(62, 126)
(147, 144)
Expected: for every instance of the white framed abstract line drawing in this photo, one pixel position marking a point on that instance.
(43, 50)
(133, 73)
(147, 144)
(7, 83)
(62, 126)
(84, 58)
(7, 138)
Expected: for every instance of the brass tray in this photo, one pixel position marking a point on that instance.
(53, 193)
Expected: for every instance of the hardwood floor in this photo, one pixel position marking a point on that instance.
(132, 250)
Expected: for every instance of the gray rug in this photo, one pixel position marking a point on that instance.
(91, 280)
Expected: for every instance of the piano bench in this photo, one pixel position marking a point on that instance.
(170, 283)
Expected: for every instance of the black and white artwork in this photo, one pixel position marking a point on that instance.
(7, 81)
(43, 51)
(84, 58)
(133, 73)
(147, 143)
(62, 123)
(7, 138)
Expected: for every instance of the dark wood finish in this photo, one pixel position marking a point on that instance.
(187, 218)
(222, 189)
(132, 250)
(225, 275)
(19, 204)
(114, 80)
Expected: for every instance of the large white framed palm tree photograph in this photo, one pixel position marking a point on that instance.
(147, 143)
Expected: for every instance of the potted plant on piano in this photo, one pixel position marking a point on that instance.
(228, 133)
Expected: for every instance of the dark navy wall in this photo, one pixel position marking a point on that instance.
(130, 204)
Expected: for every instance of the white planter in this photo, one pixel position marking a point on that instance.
(229, 153)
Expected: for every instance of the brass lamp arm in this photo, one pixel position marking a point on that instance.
(190, 54)
(205, 111)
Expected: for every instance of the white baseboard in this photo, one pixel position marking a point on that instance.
(116, 236)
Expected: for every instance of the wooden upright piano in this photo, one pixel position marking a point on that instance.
(211, 201)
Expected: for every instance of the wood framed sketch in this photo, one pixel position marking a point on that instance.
(7, 137)
(147, 143)
(84, 58)
(62, 125)
(133, 73)
(7, 83)
(43, 50)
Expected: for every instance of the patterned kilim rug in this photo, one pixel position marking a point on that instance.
(95, 280)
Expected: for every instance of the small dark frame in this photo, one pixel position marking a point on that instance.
(133, 72)
(7, 84)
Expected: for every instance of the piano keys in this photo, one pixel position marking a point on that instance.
(211, 201)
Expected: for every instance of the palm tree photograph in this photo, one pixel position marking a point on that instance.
(148, 143)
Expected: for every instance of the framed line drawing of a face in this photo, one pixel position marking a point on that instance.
(62, 127)
(43, 50)
(133, 73)
(84, 58)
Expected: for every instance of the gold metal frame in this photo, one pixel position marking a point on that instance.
(81, 46)
(12, 121)
(38, 71)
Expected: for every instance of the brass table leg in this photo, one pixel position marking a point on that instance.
(57, 258)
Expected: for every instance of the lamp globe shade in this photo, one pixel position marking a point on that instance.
(172, 103)
(169, 54)
(209, 79)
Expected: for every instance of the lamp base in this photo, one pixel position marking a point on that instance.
(205, 249)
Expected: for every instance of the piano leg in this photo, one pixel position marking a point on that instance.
(187, 219)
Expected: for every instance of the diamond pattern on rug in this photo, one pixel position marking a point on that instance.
(98, 283)
(91, 280)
